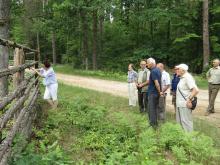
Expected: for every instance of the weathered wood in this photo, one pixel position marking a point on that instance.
(11, 111)
(15, 45)
(18, 61)
(206, 38)
(18, 77)
(8, 141)
(6, 72)
(4, 51)
(15, 93)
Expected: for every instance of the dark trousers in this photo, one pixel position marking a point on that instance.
(142, 101)
(153, 101)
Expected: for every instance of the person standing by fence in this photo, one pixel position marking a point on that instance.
(50, 82)
(132, 90)
(142, 85)
(213, 76)
(186, 91)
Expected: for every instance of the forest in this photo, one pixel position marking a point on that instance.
(109, 34)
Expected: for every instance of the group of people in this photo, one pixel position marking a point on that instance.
(152, 82)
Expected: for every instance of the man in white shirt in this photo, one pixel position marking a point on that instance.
(186, 91)
(165, 85)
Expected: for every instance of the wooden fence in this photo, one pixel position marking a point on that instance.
(17, 109)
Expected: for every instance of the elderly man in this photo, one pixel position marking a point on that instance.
(165, 84)
(142, 84)
(213, 76)
(154, 91)
(186, 91)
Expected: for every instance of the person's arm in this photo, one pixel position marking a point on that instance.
(208, 74)
(193, 88)
(165, 88)
(157, 85)
(147, 81)
(194, 92)
(167, 84)
(36, 71)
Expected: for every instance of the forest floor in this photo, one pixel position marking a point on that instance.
(120, 89)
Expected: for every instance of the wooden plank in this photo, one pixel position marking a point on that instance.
(18, 61)
(6, 72)
(7, 100)
(15, 45)
(18, 77)
(9, 139)
(11, 111)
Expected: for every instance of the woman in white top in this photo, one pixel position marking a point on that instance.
(50, 83)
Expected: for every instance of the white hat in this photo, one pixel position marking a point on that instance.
(183, 66)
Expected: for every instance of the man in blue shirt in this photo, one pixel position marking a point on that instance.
(154, 91)
(174, 84)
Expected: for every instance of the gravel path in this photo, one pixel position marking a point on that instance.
(120, 89)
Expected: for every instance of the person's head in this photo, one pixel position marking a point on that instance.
(175, 69)
(215, 62)
(46, 64)
(151, 63)
(143, 64)
(182, 69)
(131, 67)
(160, 66)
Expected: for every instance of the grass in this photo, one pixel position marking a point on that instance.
(116, 76)
(90, 127)
(201, 82)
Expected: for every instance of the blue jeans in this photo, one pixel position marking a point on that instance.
(153, 101)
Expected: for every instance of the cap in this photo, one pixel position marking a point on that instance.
(183, 66)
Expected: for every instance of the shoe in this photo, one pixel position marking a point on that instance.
(207, 113)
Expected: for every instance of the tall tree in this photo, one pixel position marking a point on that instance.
(85, 46)
(206, 47)
(53, 39)
(4, 52)
(95, 40)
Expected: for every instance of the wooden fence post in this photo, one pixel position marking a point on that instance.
(36, 58)
(18, 77)
(19, 59)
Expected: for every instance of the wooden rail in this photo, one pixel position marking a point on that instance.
(18, 107)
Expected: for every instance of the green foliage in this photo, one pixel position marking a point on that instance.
(128, 31)
(94, 128)
(186, 38)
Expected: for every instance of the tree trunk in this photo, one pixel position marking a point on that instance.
(54, 48)
(206, 47)
(101, 31)
(84, 38)
(94, 56)
(38, 45)
(4, 52)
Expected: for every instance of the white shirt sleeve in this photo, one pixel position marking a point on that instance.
(148, 75)
(167, 79)
(191, 82)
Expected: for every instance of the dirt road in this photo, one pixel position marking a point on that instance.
(120, 89)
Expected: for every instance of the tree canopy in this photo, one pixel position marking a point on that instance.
(109, 34)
